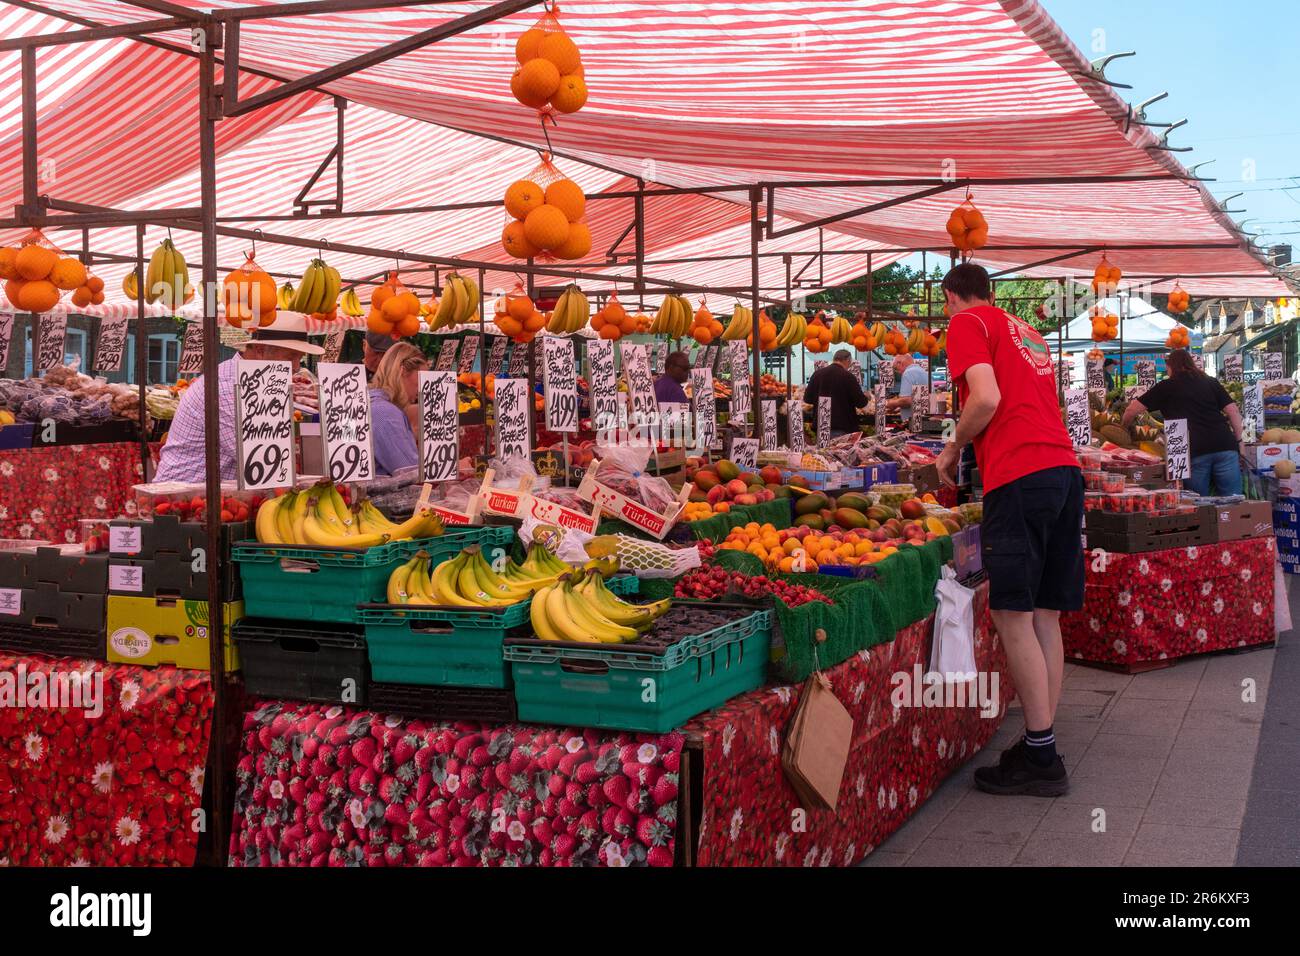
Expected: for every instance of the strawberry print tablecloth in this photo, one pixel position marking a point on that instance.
(322, 785)
(49, 489)
(899, 756)
(1168, 604)
(116, 789)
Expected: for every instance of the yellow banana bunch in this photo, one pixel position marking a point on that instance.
(877, 332)
(740, 326)
(284, 296)
(792, 330)
(915, 339)
(579, 607)
(841, 330)
(131, 285)
(571, 312)
(459, 302)
(167, 279)
(349, 304)
(319, 516)
(468, 581)
(318, 291)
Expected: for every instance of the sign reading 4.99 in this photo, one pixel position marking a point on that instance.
(264, 424)
(560, 384)
(439, 427)
(345, 422)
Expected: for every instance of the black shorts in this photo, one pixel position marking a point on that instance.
(1031, 536)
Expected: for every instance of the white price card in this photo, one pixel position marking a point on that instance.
(560, 384)
(770, 441)
(1252, 415)
(513, 404)
(345, 425)
(881, 399)
(125, 577)
(886, 370)
(1178, 455)
(264, 424)
(11, 602)
(674, 420)
(1232, 368)
(658, 356)
(794, 424)
(640, 385)
(447, 354)
(1096, 375)
(439, 427)
(518, 367)
(742, 395)
(710, 357)
(706, 409)
(1078, 417)
(1273, 365)
(124, 538)
(744, 453)
(468, 351)
(6, 336)
(497, 355)
(1146, 375)
(604, 386)
(920, 406)
(110, 345)
(191, 350)
(52, 330)
(333, 345)
(823, 421)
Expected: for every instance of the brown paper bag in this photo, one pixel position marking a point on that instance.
(817, 744)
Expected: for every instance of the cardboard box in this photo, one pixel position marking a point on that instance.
(924, 477)
(1250, 519)
(152, 631)
(44, 605)
(1288, 539)
(1286, 512)
(1264, 457)
(883, 472)
(967, 553)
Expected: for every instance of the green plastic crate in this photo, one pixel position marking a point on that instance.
(607, 688)
(449, 647)
(326, 584)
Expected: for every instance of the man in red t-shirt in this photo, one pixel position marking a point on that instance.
(1033, 511)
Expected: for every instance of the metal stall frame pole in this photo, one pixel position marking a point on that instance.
(638, 207)
(754, 231)
(209, 113)
(483, 354)
(141, 344)
(871, 283)
(789, 310)
(1060, 344)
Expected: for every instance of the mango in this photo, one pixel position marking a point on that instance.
(810, 503)
(810, 521)
(727, 470)
(855, 501)
(849, 518)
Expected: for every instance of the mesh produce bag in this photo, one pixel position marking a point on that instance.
(544, 216)
(647, 559)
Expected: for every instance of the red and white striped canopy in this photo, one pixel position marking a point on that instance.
(682, 94)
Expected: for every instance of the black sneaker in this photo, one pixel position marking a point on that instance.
(1015, 774)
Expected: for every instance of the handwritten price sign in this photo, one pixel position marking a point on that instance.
(345, 422)
(880, 398)
(706, 409)
(1178, 456)
(1078, 417)
(920, 406)
(1273, 365)
(191, 350)
(468, 349)
(1232, 368)
(498, 354)
(6, 336)
(824, 421)
(447, 354)
(639, 383)
(264, 424)
(110, 347)
(333, 345)
(886, 374)
(1146, 374)
(604, 387)
(1096, 375)
(794, 424)
(769, 425)
(744, 452)
(52, 331)
(439, 427)
(512, 407)
(560, 384)
(518, 361)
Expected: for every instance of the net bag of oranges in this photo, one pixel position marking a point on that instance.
(394, 309)
(967, 227)
(1178, 300)
(517, 317)
(549, 77)
(544, 214)
(37, 273)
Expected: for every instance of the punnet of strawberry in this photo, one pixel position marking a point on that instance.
(706, 583)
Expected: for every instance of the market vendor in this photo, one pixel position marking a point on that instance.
(183, 456)
(373, 348)
(909, 374)
(668, 387)
(394, 400)
(1033, 510)
(1213, 422)
(845, 392)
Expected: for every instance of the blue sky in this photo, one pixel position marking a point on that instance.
(1231, 69)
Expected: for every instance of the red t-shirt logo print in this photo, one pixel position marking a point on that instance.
(1031, 346)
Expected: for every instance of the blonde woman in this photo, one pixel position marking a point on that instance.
(394, 390)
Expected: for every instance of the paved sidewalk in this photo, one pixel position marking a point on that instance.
(1161, 767)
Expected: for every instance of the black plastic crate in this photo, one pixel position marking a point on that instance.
(1142, 543)
(55, 641)
(485, 705)
(107, 433)
(1141, 522)
(287, 662)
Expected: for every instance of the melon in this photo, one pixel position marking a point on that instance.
(1117, 435)
(1284, 468)
(1290, 436)
(1271, 436)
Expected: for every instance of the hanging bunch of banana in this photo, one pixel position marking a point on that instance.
(916, 339)
(673, 318)
(131, 285)
(167, 279)
(318, 291)
(841, 330)
(284, 296)
(877, 332)
(349, 304)
(459, 302)
(571, 312)
(319, 516)
(741, 324)
(792, 331)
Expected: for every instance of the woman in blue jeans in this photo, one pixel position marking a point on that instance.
(1213, 422)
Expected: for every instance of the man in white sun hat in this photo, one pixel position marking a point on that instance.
(183, 453)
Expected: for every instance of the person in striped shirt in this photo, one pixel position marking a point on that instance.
(184, 455)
